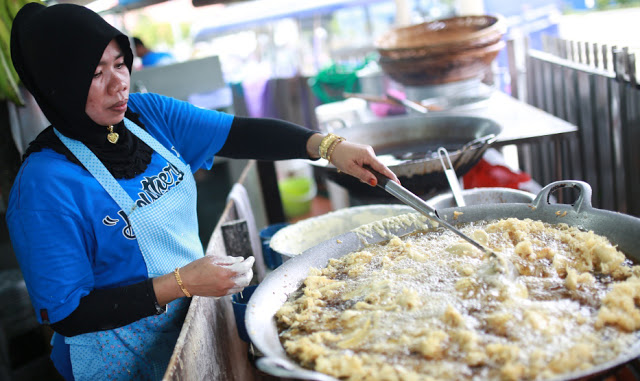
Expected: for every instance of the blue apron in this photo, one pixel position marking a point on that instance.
(167, 234)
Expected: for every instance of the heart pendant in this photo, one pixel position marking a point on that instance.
(113, 137)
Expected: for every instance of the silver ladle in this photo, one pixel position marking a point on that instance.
(450, 172)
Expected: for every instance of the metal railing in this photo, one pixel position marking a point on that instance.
(594, 87)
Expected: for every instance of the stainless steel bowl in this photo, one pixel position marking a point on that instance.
(294, 239)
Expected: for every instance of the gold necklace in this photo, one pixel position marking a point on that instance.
(112, 137)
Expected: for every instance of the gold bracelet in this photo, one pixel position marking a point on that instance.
(333, 147)
(176, 272)
(326, 143)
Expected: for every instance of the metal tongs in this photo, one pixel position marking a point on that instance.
(403, 194)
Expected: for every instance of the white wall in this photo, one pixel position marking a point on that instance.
(470, 7)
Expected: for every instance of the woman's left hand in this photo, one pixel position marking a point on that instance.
(351, 158)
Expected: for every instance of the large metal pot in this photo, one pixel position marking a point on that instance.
(478, 196)
(408, 146)
(622, 230)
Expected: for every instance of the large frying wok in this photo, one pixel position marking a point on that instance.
(621, 229)
(408, 145)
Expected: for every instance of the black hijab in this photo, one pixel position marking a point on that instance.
(56, 50)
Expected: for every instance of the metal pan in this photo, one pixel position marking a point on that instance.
(408, 146)
(622, 230)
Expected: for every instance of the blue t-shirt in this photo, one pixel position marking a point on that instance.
(70, 236)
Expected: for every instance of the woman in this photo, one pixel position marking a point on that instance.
(102, 213)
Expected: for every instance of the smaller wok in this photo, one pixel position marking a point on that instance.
(408, 145)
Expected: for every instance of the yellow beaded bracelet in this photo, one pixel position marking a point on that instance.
(176, 272)
(333, 146)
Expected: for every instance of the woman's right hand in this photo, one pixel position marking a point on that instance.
(206, 276)
(217, 276)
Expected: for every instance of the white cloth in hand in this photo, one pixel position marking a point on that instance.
(243, 269)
